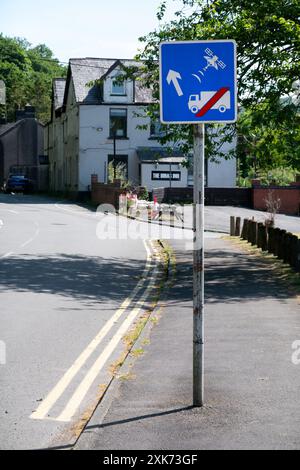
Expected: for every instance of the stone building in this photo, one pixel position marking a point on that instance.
(22, 149)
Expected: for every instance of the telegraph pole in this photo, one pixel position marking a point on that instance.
(198, 266)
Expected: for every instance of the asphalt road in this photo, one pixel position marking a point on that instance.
(72, 282)
(64, 293)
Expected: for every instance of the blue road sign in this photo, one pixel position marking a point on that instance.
(198, 82)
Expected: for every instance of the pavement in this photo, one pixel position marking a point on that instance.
(251, 384)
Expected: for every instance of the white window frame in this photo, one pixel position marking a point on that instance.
(123, 85)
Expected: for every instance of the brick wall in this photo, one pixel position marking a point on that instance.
(289, 198)
(105, 193)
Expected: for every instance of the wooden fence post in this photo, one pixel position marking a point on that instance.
(276, 241)
(238, 227)
(297, 255)
(245, 229)
(232, 226)
(265, 237)
(271, 240)
(253, 232)
(294, 252)
(250, 231)
(281, 243)
(261, 235)
(285, 247)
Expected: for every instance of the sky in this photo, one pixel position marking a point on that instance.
(83, 28)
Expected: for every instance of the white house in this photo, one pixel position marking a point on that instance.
(102, 129)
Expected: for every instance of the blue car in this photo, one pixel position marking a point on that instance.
(18, 183)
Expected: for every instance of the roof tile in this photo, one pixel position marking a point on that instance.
(85, 71)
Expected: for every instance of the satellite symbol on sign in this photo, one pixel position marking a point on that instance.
(213, 60)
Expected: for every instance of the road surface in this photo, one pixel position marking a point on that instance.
(72, 282)
(67, 298)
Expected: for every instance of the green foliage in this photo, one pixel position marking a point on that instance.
(268, 46)
(280, 176)
(144, 194)
(269, 136)
(28, 73)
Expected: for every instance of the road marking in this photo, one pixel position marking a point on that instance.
(27, 242)
(37, 232)
(9, 210)
(58, 390)
(13, 212)
(76, 212)
(7, 255)
(81, 391)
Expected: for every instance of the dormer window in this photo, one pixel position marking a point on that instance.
(118, 86)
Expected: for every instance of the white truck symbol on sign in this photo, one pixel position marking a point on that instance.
(196, 102)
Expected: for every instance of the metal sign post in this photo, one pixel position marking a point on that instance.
(198, 266)
(198, 85)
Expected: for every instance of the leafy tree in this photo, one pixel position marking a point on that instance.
(28, 73)
(269, 137)
(279, 176)
(268, 44)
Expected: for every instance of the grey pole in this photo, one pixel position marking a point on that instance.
(198, 267)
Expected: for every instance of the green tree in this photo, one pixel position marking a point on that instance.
(269, 137)
(28, 73)
(268, 44)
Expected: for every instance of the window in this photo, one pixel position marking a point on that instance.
(118, 86)
(118, 123)
(156, 128)
(117, 167)
(166, 175)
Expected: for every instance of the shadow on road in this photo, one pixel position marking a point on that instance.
(229, 277)
(139, 418)
(78, 277)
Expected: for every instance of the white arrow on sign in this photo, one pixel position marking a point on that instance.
(173, 77)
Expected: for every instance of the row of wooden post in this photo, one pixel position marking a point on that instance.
(235, 226)
(279, 242)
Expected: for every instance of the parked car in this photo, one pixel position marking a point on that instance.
(18, 183)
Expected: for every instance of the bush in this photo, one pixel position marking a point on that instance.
(281, 176)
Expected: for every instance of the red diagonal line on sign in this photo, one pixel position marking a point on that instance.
(214, 99)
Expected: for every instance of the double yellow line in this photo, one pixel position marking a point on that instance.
(42, 412)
